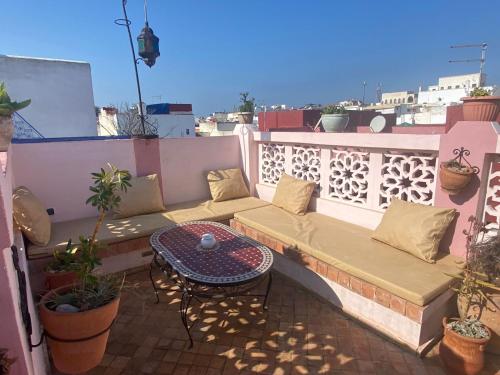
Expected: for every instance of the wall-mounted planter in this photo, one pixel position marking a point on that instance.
(6, 132)
(453, 179)
(481, 108)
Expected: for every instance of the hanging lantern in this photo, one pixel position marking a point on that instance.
(149, 48)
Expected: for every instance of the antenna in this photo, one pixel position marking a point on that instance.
(379, 92)
(482, 60)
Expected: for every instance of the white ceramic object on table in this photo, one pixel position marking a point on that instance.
(207, 241)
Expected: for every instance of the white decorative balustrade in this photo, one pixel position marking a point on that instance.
(347, 171)
(491, 212)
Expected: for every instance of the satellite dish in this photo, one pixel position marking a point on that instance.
(377, 124)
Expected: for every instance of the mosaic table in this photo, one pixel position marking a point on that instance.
(235, 266)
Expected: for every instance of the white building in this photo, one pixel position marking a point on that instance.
(62, 100)
(451, 89)
(398, 97)
(172, 120)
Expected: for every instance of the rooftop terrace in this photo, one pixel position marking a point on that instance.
(323, 316)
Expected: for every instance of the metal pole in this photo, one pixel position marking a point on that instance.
(127, 24)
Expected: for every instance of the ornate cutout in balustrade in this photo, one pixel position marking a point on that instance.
(410, 177)
(348, 180)
(492, 201)
(306, 163)
(272, 162)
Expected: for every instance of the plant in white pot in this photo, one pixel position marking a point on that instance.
(334, 118)
(246, 109)
(77, 318)
(7, 108)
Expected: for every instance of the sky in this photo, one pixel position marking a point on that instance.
(281, 51)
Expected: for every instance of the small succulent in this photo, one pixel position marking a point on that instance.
(469, 328)
(480, 91)
(334, 109)
(8, 107)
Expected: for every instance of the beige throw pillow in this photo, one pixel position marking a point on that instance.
(414, 228)
(226, 184)
(31, 216)
(143, 197)
(293, 195)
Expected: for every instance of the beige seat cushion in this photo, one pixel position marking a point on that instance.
(227, 184)
(143, 197)
(293, 194)
(142, 225)
(212, 211)
(31, 216)
(350, 248)
(414, 228)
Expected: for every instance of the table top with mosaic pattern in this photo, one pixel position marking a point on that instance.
(236, 258)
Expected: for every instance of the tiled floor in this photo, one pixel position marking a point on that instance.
(300, 334)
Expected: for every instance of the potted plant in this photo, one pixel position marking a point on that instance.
(5, 362)
(455, 176)
(334, 118)
(77, 318)
(480, 105)
(246, 109)
(465, 338)
(62, 270)
(7, 108)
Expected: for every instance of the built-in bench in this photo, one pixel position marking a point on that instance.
(398, 294)
(127, 240)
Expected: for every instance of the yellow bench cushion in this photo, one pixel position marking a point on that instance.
(115, 230)
(350, 248)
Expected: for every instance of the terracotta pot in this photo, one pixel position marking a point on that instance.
(454, 181)
(481, 108)
(54, 280)
(461, 355)
(245, 117)
(91, 327)
(487, 313)
(6, 132)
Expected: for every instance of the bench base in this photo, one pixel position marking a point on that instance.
(416, 327)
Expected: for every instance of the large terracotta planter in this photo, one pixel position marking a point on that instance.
(462, 355)
(488, 313)
(334, 123)
(77, 341)
(245, 117)
(54, 280)
(6, 132)
(481, 108)
(452, 180)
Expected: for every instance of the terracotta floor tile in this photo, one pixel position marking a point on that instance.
(299, 334)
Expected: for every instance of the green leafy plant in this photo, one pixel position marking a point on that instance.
(5, 362)
(94, 291)
(247, 104)
(480, 91)
(333, 109)
(67, 260)
(7, 106)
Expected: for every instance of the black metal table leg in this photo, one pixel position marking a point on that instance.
(153, 261)
(269, 282)
(184, 307)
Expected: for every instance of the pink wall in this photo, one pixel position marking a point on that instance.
(480, 138)
(11, 328)
(58, 173)
(186, 161)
